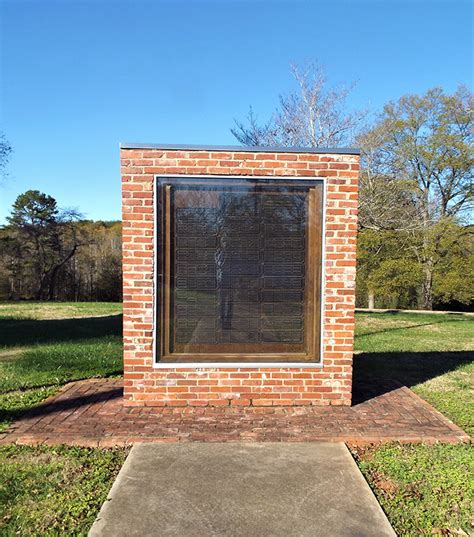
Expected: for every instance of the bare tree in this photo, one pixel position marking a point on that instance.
(314, 116)
(385, 199)
(66, 247)
(5, 151)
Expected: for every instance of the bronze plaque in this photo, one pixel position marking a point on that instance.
(239, 270)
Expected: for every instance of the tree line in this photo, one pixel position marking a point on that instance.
(51, 254)
(416, 232)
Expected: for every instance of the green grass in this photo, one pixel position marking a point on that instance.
(414, 332)
(13, 404)
(453, 395)
(58, 363)
(40, 371)
(20, 333)
(51, 491)
(54, 490)
(425, 490)
(46, 490)
(45, 345)
(57, 310)
(430, 353)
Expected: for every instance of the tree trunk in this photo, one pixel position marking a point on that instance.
(427, 286)
(54, 272)
(40, 288)
(11, 295)
(371, 299)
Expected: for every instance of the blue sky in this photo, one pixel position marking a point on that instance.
(78, 77)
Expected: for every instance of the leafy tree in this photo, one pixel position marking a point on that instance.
(454, 266)
(418, 170)
(40, 240)
(48, 253)
(388, 272)
(33, 211)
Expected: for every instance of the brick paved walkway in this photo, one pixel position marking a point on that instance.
(91, 413)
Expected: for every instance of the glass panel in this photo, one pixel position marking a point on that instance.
(238, 270)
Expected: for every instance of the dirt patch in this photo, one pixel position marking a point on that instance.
(384, 484)
(10, 354)
(370, 324)
(42, 311)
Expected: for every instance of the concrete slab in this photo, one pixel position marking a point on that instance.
(241, 490)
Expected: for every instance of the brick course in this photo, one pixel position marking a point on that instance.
(257, 386)
(92, 413)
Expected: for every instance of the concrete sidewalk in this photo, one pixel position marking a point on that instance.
(241, 490)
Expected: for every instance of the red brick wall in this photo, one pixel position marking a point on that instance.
(329, 385)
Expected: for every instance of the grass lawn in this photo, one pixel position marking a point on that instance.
(43, 346)
(54, 490)
(431, 354)
(423, 489)
(57, 310)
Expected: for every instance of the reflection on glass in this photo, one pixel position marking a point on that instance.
(238, 268)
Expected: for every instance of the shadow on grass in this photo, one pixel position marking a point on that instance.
(423, 321)
(376, 373)
(404, 327)
(60, 405)
(14, 332)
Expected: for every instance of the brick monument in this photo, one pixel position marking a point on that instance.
(238, 275)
